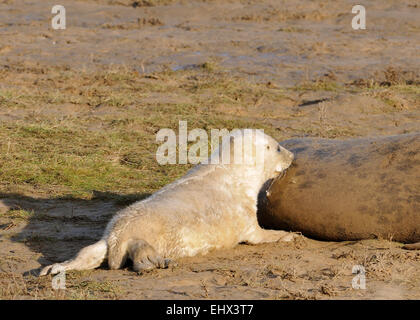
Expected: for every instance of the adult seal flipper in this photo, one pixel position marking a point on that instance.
(348, 190)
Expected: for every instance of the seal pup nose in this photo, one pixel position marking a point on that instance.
(291, 155)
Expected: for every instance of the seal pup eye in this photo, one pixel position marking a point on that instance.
(278, 149)
(268, 147)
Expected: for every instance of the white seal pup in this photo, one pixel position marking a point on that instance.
(213, 206)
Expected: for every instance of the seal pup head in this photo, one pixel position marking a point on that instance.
(252, 154)
(277, 159)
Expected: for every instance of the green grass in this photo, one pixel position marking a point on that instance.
(318, 85)
(408, 88)
(18, 214)
(108, 143)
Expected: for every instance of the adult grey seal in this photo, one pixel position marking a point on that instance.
(348, 190)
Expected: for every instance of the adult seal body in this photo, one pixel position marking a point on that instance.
(349, 190)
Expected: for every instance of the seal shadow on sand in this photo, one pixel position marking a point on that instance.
(58, 228)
